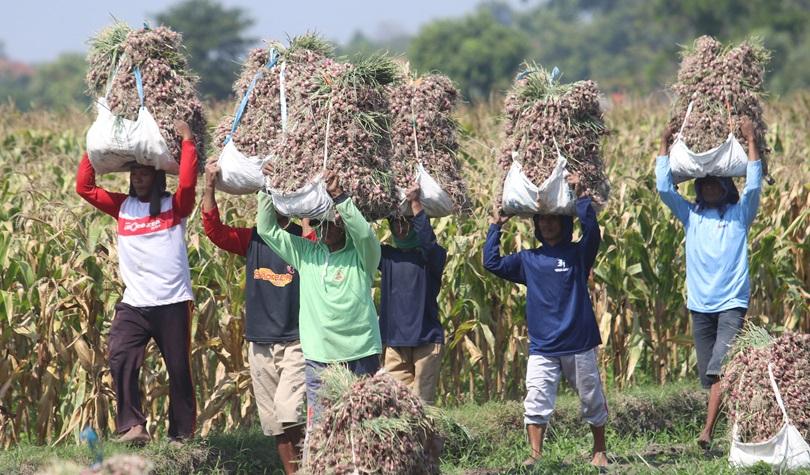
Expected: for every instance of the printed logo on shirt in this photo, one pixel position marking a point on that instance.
(278, 280)
(561, 266)
(145, 225)
(339, 276)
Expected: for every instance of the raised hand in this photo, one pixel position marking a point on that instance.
(332, 184)
(498, 218)
(183, 130)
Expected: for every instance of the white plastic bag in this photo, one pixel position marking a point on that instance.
(310, 201)
(239, 174)
(435, 200)
(113, 142)
(786, 450)
(522, 197)
(728, 159)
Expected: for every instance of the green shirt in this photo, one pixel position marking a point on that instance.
(337, 318)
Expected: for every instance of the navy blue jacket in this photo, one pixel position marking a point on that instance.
(559, 312)
(411, 280)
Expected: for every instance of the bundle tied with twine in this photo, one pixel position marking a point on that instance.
(369, 425)
(423, 131)
(751, 401)
(263, 120)
(545, 117)
(724, 83)
(169, 87)
(344, 127)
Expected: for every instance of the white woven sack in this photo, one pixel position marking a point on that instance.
(435, 200)
(239, 174)
(553, 196)
(728, 159)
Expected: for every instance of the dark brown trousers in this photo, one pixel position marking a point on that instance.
(170, 326)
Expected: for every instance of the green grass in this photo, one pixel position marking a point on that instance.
(246, 451)
(651, 430)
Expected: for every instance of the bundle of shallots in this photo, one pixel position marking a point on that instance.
(343, 127)
(168, 86)
(723, 84)
(424, 133)
(751, 401)
(260, 126)
(369, 425)
(545, 120)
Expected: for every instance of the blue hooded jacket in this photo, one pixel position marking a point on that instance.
(716, 239)
(559, 313)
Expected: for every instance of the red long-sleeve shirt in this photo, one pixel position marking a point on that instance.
(229, 238)
(152, 253)
(110, 203)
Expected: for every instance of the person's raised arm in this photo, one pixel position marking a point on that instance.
(591, 234)
(183, 199)
(363, 237)
(749, 201)
(228, 238)
(102, 199)
(506, 267)
(435, 255)
(288, 247)
(663, 180)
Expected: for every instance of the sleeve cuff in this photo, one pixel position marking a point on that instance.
(211, 212)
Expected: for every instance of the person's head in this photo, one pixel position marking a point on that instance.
(147, 184)
(715, 192)
(553, 228)
(333, 234)
(400, 227)
(402, 232)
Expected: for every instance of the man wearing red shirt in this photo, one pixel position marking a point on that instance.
(157, 301)
(271, 325)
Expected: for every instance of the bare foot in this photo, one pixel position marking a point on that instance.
(704, 441)
(531, 460)
(136, 435)
(599, 460)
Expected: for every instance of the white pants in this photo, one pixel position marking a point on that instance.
(582, 372)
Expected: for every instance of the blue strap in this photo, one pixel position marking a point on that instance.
(139, 83)
(240, 109)
(555, 74)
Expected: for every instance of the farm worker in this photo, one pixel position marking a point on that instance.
(271, 325)
(563, 333)
(717, 284)
(337, 320)
(409, 314)
(157, 301)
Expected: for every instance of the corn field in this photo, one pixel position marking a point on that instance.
(59, 281)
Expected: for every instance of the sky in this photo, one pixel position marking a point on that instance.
(39, 30)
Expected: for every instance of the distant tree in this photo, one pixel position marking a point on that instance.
(215, 37)
(362, 44)
(59, 84)
(478, 51)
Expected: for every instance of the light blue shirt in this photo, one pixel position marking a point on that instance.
(716, 245)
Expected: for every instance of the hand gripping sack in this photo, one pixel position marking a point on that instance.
(435, 200)
(114, 143)
(553, 196)
(786, 450)
(728, 159)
